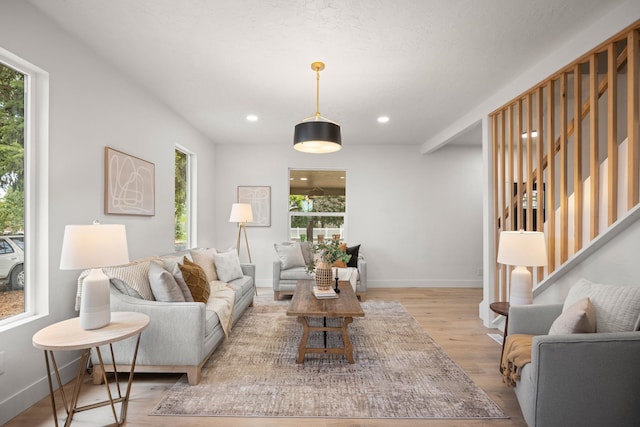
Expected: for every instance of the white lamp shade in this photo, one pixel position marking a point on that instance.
(241, 212)
(522, 248)
(93, 246)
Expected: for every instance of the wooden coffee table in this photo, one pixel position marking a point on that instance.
(305, 305)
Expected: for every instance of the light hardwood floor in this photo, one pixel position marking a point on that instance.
(449, 315)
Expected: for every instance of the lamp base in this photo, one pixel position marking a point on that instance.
(95, 301)
(521, 287)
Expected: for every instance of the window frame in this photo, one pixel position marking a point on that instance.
(292, 214)
(190, 203)
(36, 191)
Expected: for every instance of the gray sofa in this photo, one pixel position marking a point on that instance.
(582, 379)
(284, 280)
(181, 335)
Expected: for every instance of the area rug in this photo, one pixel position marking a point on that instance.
(399, 372)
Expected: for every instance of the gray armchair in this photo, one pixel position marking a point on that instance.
(578, 379)
(284, 280)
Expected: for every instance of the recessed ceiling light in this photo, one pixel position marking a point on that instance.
(303, 179)
(534, 133)
(383, 119)
(252, 118)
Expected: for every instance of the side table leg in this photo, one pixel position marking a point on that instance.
(504, 340)
(53, 397)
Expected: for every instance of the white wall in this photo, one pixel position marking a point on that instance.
(418, 218)
(91, 106)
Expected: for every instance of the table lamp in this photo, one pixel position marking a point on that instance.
(94, 246)
(522, 249)
(241, 213)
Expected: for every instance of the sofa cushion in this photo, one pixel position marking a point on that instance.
(204, 258)
(617, 307)
(228, 265)
(353, 251)
(580, 318)
(290, 255)
(196, 280)
(211, 322)
(163, 284)
(298, 273)
(135, 275)
(244, 283)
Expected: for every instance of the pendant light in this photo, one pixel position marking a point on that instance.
(317, 134)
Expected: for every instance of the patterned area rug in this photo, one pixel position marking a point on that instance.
(400, 372)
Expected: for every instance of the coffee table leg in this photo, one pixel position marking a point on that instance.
(302, 348)
(348, 348)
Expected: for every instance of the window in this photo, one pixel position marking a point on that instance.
(317, 204)
(12, 187)
(182, 200)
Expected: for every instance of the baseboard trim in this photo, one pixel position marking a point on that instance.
(29, 396)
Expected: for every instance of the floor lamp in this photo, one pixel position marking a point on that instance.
(241, 213)
(522, 249)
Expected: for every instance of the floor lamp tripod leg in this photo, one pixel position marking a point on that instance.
(246, 240)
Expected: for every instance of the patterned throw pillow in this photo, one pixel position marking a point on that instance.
(135, 275)
(196, 280)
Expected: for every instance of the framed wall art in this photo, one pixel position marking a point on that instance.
(129, 184)
(260, 200)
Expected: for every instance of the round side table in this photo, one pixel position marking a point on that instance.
(502, 308)
(68, 335)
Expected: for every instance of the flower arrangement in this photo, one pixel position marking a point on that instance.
(327, 251)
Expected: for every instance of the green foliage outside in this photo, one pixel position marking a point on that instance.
(180, 213)
(11, 150)
(299, 203)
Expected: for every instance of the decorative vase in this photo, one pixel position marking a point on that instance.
(324, 276)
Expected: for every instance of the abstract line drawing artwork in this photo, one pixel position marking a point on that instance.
(129, 184)
(260, 200)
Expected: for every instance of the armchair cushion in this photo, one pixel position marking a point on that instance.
(578, 318)
(617, 307)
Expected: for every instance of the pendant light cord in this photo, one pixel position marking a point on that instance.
(317, 93)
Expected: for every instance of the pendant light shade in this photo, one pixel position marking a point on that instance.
(317, 137)
(317, 134)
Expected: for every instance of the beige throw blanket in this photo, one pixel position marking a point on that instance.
(221, 301)
(517, 353)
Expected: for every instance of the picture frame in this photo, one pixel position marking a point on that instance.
(129, 184)
(259, 197)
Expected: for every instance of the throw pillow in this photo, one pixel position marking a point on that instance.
(204, 258)
(177, 274)
(228, 265)
(135, 275)
(617, 307)
(163, 285)
(353, 251)
(580, 318)
(196, 280)
(290, 255)
(125, 289)
(306, 253)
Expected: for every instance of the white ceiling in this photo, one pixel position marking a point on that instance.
(422, 63)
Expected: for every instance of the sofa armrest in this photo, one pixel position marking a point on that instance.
(586, 379)
(277, 266)
(249, 270)
(534, 319)
(362, 273)
(173, 327)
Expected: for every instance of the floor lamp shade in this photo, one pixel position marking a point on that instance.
(93, 247)
(241, 213)
(522, 249)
